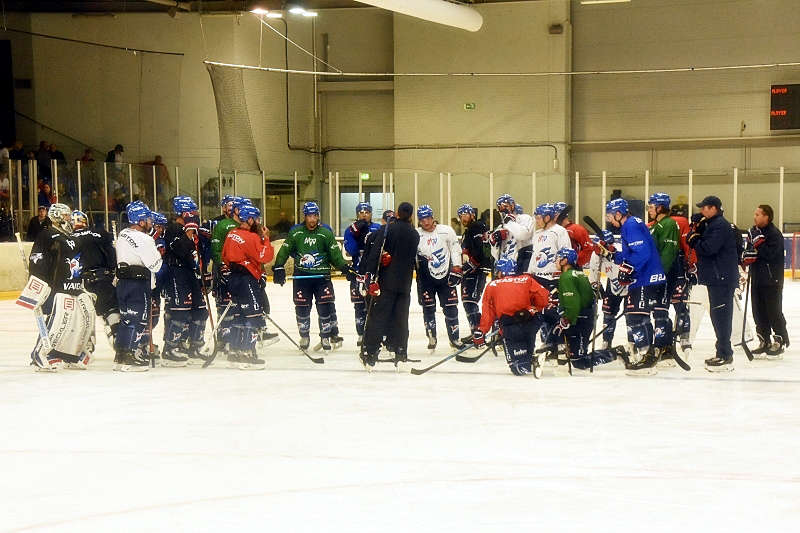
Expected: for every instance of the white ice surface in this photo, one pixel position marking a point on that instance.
(303, 447)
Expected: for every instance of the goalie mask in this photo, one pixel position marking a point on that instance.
(61, 217)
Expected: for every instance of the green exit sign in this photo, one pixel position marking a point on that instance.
(470, 106)
(364, 176)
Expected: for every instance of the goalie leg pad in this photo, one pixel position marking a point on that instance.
(72, 324)
(34, 294)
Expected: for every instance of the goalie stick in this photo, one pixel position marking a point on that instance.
(213, 355)
(419, 371)
(44, 336)
(317, 360)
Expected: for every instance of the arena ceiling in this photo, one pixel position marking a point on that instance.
(140, 6)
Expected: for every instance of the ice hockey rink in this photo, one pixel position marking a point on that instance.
(304, 447)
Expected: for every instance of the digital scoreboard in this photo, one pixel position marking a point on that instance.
(784, 109)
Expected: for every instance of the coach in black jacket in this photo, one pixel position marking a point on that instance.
(387, 315)
(765, 255)
(715, 241)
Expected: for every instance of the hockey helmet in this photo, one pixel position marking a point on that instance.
(137, 212)
(559, 207)
(61, 217)
(183, 204)
(227, 199)
(617, 205)
(660, 199)
(247, 212)
(363, 206)
(607, 236)
(159, 219)
(79, 218)
(310, 208)
(518, 209)
(424, 211)
(505, 267)
(545, 210)
(466, 209)
(569, 254)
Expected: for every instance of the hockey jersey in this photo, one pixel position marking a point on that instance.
(505, 296)
(245, 248)
(437, 251)
(96, 248)
(55, 258)
(574, 293)
(600, 265)
(220, 231)
(520, 234)
(639, 250)
(473, 248)
(546, 243)
(581, 243)
(355, 244)
(666, 235)
(137, 248)
(314, 251)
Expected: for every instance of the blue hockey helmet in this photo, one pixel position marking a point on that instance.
(310, 208)
(228, 198)
(607, 236)
(518, 209)
(239, 201)
(569, 254)
(559, 207)
(183, 204)
(466, 209)
(424, 211)
(505, 267)
(660, 199)
(617, 205)
(138, 211)
(545, 210)
(363, 206)
(79, 218)
(247, 212)
(505, 199)
(159, 219)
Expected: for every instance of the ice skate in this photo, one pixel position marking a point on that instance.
(197, 354)
(336, 341)
(431, 341)
(666, 359)
(536, 364)
(360, 340)
(775, 349)
(646, 366)
(51, 363)
(326, 344)
(81, 364)
(249, 361)
(174, 356)
(400, 360)
(305, 342)
(760, 352)
(129, 362)
(718, 364)
(367, 360)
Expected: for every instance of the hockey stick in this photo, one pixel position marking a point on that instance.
(38, 316)
(569, 355)
(317, 360)
(489, 346)
(607, 326)
(213, 355)
(746, 349)
(310, 276)
(592, 224)
(150, 348)
(419, 371)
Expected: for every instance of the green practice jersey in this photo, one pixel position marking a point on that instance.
(574, 293)
(666, 234)
(221, 230)
(314, 251)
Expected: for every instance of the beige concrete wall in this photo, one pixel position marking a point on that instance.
(12, 273)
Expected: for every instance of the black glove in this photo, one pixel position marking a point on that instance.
(349, 273)
(597, 288)
(691, 274)
(359, 229)
(699, 222)
(278, 275)
(625, 276)
(756, 237)
(454, 278)
(509, 217)
(469, 267)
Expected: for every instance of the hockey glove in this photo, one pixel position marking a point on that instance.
(699, 223)
(454, 278)
(349, 273)
(361, 280)
(359, 229)
(602, 251)
(478, 339)
(374, 289)
(756, 237)
(691, 274)
(561, 327)
(278, 275)
(625, 276)
(692, 239)
(509, 217)
(468, 267)
(552, 300)
(224, 273)
(497, 237)
(749, 257)
(597, 288)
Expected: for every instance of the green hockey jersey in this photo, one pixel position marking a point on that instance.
(314, 251)
(574, 293)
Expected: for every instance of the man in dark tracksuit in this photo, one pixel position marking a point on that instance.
(714, 240)
(765, 255)
(476, 263)
(392, 265)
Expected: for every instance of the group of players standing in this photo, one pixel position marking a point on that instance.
(538, 286)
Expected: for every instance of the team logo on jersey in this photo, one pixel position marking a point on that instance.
(310, 241)
(438, 258)
(35, 258)
(71, 244)
(544, 257)
(75, 266)
(310, 260)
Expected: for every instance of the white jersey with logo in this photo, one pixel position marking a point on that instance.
(601, 265)
(137, 248)
(520, 233)
(546, 244)
(439, 247)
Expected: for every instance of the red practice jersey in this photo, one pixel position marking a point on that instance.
(245, 248)
(581, 243)
(683, 227)
(506, 296)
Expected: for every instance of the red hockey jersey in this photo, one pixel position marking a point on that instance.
(506, 296)
(245, 248)
(581, 243)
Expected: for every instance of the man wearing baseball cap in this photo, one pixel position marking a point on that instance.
(715, 241)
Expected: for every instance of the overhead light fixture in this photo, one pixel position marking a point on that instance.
(259, 11)
(457, 15)
(295, 10)
(274, 15)
(309, 13)
(593, 2)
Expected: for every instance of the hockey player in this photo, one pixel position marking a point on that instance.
(231, 206)
(246, 250)
(388, 270)
(575, 306)
(315, 252)
(162, 276)
(55, 294)
(511, 240)
(138, 260)
(666, 234)
(476, 263)
(578, 236)
(765, 257)
(639, 269)
(355, 242)
(438, 273)
(614, 293)
(184, 293)
(96, 254)
(516, 301)
(687, 278)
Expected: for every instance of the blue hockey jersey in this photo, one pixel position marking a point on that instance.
(639, 250)
(355, 247)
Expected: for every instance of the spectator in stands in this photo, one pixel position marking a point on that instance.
(3, 160)
(282, 225)
(56, 154)
(87, 156)
(5, 188)
(17, 153)
(163, 181)
(43, 161)
(46, 197)
(37, 224)
(115, 155)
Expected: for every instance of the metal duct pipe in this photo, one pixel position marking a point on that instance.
(186, 6)
(439, 11)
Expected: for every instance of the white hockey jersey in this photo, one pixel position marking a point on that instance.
(440, 248)
(139, 249)
(600, 265)
(546, 243)
(520, 232)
